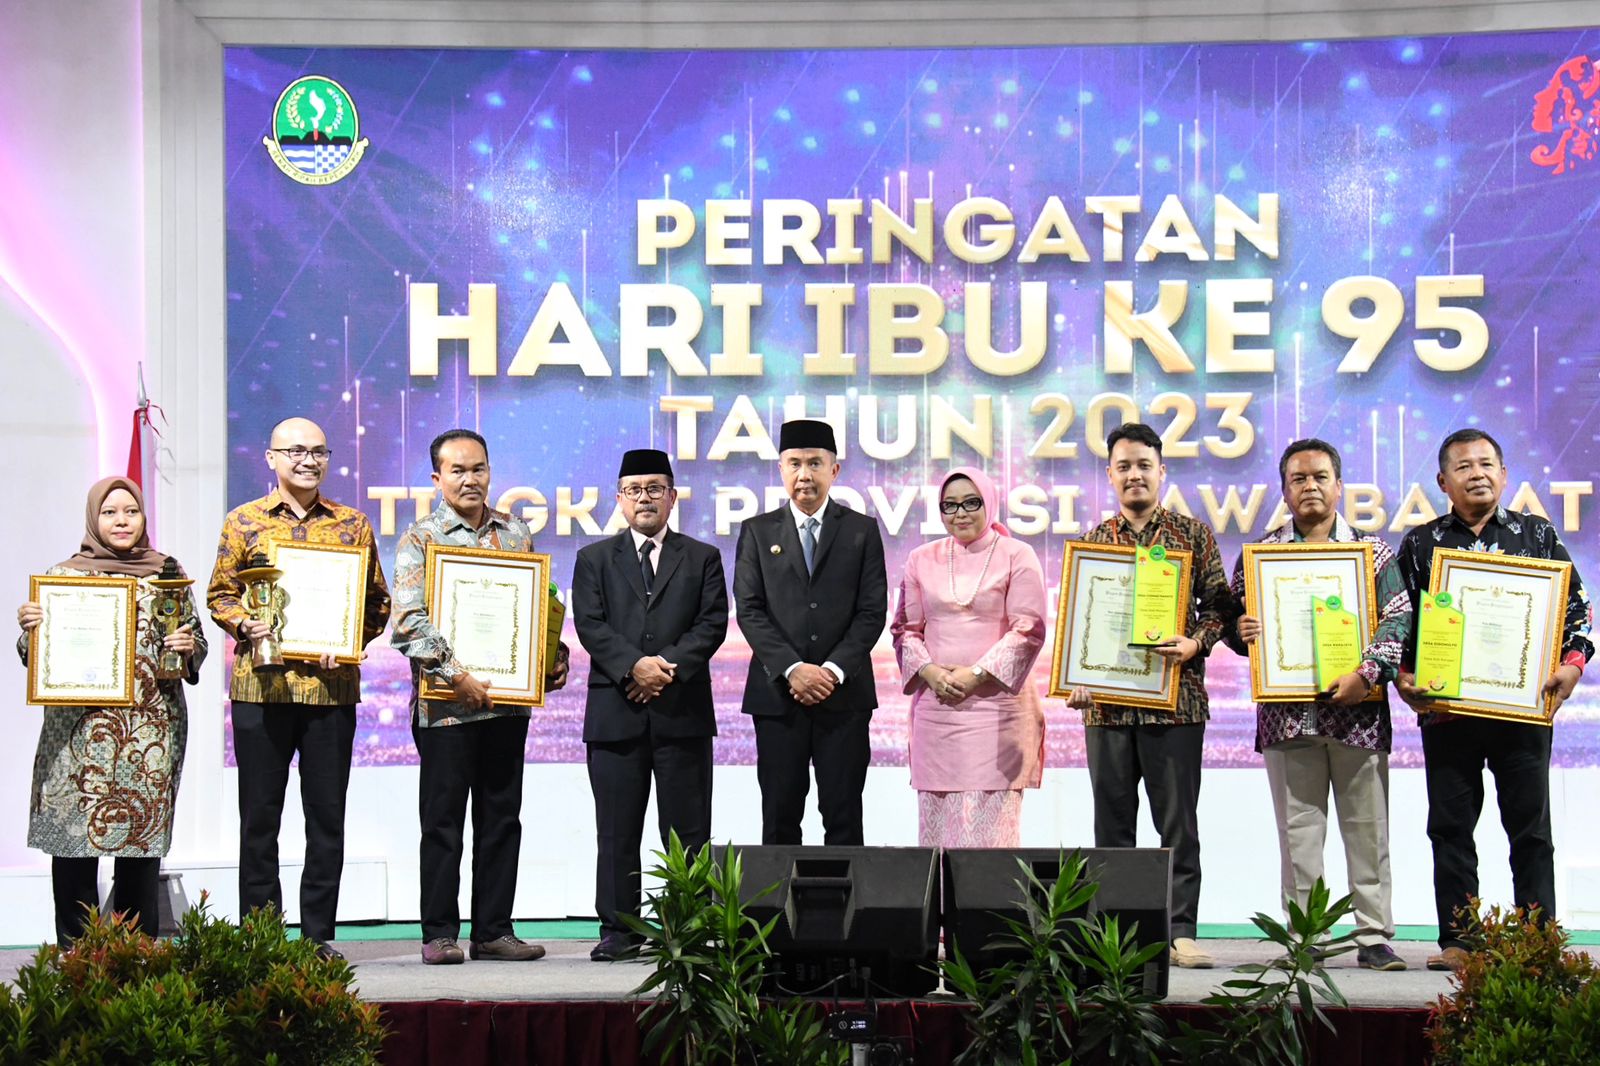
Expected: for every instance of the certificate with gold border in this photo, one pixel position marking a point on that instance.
(1093, 616)
(1514, 612)
(82, 652)
(325, 605)
(492, 608)
(1280, 581)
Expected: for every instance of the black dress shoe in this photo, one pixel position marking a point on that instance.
(615, 947)
(328, 953)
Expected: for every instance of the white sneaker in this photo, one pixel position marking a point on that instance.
(1187, 954)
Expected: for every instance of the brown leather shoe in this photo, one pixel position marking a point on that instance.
(443, 951)
(1451, 958)
(506, 949)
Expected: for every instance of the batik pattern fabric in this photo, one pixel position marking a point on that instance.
(1212, 612)
(248, 529)
(1363, 725)
(105, 779)
(416, 637)
(1504, 533)
(969, 819)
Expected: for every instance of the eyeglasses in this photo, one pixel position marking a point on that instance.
(654, 492)
(971, 503)
(299, 455)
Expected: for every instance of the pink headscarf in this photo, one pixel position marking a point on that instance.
(986, 489)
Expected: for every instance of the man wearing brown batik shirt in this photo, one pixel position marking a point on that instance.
(1164, 748)
(304, 707)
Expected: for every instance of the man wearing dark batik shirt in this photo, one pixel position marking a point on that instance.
(1163, 748)
(1472, 474)
(1337, 743)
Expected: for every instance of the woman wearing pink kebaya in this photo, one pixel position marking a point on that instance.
(969, 627)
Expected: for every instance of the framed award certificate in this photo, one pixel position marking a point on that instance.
(1282, 584)
(1093, 618)
(325, 598)
(1511, 615)
(81, 653)
(492, 608)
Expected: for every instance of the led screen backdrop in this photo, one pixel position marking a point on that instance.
(957, 256)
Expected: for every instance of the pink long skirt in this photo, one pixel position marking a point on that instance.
(969, 819)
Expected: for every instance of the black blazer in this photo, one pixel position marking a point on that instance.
(834, 615)
(685, 621)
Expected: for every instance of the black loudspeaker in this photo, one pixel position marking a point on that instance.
(980, 886)
(851, 921)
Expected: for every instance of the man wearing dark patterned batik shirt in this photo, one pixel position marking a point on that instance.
(1164, 748)
(1472, 473)
(1338, 742)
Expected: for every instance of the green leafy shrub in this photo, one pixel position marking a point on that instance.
(710, 958)
(215, 994)
(1522, 997)
(1118, 1022)
(1067, 986)
(1264, 1012)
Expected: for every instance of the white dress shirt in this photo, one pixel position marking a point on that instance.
(659, 540)
(800, 520)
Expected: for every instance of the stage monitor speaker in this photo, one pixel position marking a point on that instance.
(980, 886)
(851, 921)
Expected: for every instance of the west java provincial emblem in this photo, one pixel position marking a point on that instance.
(316, 134)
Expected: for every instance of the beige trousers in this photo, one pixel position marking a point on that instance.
(1301, 773)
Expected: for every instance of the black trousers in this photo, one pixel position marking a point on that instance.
(619, 777)
(787, 745)
(135, 892)
(1455, 753)
(266, 736)
(483, 760)
(1167, 758)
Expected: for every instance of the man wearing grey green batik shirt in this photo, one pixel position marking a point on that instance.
(470, 744)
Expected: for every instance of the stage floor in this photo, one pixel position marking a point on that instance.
(391, 971)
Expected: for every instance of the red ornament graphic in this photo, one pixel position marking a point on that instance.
(1570, 106)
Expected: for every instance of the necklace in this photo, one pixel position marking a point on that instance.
(950, 567)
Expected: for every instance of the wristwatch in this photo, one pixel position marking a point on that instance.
(980, 673)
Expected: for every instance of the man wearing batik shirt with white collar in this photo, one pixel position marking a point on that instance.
(1336, 741)
(1472, 473)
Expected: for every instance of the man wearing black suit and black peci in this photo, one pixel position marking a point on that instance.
(811, 593)
(651, 608)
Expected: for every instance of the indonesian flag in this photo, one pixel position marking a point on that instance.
(141, 443)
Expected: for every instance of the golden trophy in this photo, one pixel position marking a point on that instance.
(168, 606)
(264, 601)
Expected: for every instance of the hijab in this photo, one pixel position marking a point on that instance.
(97, 554)
(986, 489)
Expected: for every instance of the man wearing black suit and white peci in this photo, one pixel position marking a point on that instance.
(811, 594)
(651, 607)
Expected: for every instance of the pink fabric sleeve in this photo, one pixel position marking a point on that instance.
(1010, 658)
(910, 649)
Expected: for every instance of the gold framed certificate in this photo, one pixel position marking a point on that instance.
(1281, 581)
(1093, 617)
(82, 652)
(325, 598)
(1513, 620)
(492, 608)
